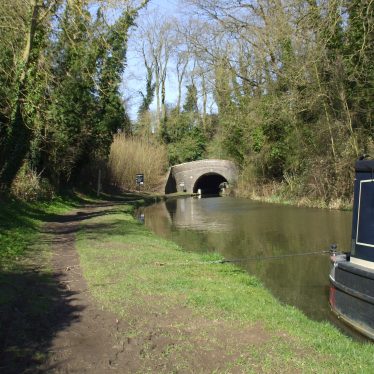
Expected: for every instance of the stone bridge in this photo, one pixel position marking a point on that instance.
(204, 175)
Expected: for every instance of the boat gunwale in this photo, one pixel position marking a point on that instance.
(351, 292)
(356, 326)
(356, 269)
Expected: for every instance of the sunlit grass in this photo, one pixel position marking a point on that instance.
(20, 224)
(126, 265)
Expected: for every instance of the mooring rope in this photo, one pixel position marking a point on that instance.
(259, 258)
(243, 259)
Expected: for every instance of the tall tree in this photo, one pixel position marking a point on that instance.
(18, 130)
(65, 101)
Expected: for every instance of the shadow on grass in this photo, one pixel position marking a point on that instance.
(114, 228)
(34, 307)
(20, 221)
(15, 213)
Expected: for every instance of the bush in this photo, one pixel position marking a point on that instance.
(130, 156)
(190, 148)
(29, 186)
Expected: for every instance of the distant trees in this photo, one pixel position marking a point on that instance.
(184, 135)
(291, 86)
(283, 87)
(156, 33)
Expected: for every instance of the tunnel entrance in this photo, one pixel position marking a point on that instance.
(209, 184)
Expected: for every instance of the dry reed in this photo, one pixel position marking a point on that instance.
(132, 155)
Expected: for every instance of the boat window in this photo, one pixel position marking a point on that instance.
(365, 215)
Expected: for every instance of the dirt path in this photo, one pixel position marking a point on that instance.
(88, 343)
(95, 341)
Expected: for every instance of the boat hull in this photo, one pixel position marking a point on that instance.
(352, 295)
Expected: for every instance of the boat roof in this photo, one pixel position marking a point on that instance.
(364, 165)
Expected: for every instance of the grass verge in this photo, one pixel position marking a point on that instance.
(136, 274)
(20, 224)
(336, 204)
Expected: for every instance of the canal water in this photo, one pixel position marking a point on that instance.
(241, 228)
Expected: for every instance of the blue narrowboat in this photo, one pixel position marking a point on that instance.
(352, 273)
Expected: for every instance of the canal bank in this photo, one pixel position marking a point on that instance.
(195, 312)
(284, 193)
(154, 307)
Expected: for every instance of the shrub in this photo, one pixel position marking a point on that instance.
(29, 186)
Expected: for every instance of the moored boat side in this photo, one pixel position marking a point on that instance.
(352, 295)
(352, 275)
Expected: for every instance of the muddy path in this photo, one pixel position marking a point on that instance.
(48, 321)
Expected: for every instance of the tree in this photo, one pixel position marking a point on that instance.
(158, 45)
(63, 104)
(148, 97)
(17, 131)
(358, 57)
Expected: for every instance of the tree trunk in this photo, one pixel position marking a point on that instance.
(180, 76)
(157, 88)
(204, 101)
(163, 99)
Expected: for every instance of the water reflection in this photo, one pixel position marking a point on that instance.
(239, 228)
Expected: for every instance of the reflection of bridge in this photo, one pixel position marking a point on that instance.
(206, 175)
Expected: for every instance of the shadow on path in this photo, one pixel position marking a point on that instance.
(33, 307)
(36, 307)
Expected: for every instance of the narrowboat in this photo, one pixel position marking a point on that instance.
(352, 273)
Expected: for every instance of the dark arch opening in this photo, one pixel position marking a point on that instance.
(209, 184)
(171, 185)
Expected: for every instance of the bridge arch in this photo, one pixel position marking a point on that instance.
(209, 183)
(203, 174)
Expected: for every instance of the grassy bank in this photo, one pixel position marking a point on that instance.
(20, 224)
(283, 193)
(180, 308)
(200, 306)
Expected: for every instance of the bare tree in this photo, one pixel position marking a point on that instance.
(158, 39)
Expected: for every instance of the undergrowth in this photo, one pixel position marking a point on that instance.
(281, 193)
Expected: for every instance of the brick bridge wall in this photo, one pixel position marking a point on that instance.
(183, 177)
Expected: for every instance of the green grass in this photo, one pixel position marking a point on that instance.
(20, 221)
(20, 224)
(127, 266)
(24, 255)
(27, 290)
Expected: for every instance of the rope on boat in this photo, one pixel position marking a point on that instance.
(245, 259)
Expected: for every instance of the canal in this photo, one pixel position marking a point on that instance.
(241, 228)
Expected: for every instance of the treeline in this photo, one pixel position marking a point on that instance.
(283, 87)
(61, 67)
